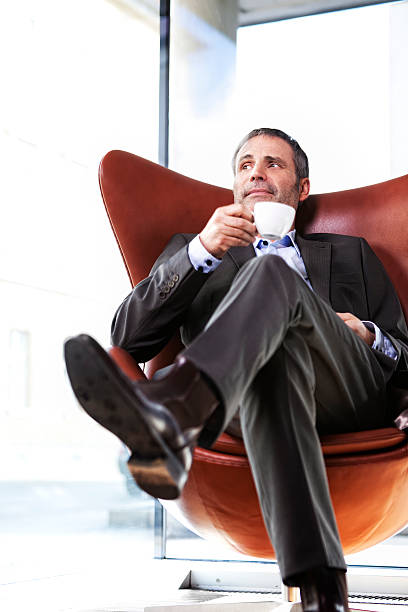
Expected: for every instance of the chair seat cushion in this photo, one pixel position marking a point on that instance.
(368, 479)
(333, 444)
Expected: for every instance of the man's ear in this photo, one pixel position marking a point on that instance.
(304, 189)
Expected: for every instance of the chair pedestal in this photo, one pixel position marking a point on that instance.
(290, 594)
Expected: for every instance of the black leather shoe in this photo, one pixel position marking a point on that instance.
(324, 589)
(159, 420)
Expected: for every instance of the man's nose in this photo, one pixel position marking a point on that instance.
(258, 173)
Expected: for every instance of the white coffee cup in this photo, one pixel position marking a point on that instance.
(273, 219)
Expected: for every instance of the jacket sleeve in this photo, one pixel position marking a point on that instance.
(383, 304)
(154, 310)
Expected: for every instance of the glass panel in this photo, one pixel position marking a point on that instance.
(184, 543)
(328, 86)
(333, 85)
(19, 373)
(74, 86)
(336, 82)
(391, 553)
(202, 77)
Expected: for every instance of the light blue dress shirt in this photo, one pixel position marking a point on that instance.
(287, 249)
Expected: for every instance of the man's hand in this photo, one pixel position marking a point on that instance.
(229, 226)
(358, 327)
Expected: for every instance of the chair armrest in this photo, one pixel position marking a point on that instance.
(126, 363)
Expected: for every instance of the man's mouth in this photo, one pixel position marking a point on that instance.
(259, 191)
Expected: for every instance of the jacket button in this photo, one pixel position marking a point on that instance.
(176, 278)
(162, 295)
(166, 289)
(171, 284)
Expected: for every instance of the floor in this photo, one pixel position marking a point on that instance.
(132, 584)
(96, 561)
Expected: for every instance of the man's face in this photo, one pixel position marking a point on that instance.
(265, 170)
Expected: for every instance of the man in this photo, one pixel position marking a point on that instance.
(303, 335)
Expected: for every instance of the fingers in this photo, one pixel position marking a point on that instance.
(239, 227)
(349, 319)
(357, 327)
(237, 210)
(347, 316)
(217, 241)
(229, 226)
(235, 215)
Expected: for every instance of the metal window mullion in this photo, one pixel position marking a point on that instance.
(160, 530)
(164, 90)
(160, 518)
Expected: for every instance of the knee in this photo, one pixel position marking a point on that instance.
(271, 272)
(273, 265)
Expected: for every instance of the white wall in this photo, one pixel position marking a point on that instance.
(79, 78)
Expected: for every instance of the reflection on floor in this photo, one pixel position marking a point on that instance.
(392, 552)
(52, 564)
(117, 584)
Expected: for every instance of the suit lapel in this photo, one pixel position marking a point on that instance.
(317, 258)
(241, 255)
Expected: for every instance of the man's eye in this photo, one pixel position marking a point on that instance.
(274, 164)
(244, 166)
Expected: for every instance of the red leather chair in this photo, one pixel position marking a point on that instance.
(367, 471)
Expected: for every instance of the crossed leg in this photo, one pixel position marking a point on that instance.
(279, 351)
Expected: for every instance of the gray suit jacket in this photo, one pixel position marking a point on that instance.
(343, 270)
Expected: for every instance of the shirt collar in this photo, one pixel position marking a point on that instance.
(281, 243)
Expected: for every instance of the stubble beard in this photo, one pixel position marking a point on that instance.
(287, 196)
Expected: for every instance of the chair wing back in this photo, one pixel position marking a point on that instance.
(378, 213)
(147, 204)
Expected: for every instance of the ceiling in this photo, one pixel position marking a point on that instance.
(261, 11)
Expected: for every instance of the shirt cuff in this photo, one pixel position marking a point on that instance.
(381, 342)
(200, 258)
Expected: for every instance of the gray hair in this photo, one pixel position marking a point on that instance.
(299, 156)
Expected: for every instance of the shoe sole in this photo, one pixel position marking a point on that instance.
(106, 395)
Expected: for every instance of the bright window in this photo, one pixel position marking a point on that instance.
(78, 78)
